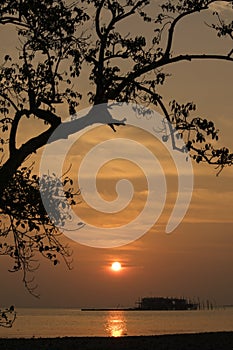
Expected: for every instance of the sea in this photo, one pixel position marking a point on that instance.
(115, 323)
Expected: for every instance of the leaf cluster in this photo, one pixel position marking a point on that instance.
(198, 131)
(26, 228)
(7, 317)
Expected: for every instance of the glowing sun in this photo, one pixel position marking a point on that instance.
(116, 266)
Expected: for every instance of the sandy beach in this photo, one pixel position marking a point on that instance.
(202, 341)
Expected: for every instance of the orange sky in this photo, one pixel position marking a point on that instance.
(196, 259)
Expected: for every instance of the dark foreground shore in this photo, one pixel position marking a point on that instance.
(202, 341)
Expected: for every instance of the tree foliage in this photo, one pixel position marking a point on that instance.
(25, 225)
(57, 40)
(7, 317)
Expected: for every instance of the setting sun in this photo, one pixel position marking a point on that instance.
(116, 266)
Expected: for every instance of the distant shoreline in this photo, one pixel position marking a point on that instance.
(111, 309)
(192, 341)
(129, 309)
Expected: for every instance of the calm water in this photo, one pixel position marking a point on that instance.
(73, 322)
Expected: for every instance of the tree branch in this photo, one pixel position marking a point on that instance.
(162, 63)
(158, 100)
(103, 36)
(14, 126)
(195, 57)
(96, 116)
(47, 116)
(171, 30)
(97, 19)
(13, 20)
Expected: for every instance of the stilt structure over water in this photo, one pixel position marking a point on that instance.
(161, 303)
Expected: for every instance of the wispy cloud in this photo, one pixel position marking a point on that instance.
(220, 6)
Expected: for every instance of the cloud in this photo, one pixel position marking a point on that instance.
(220, 6)
(211, 207)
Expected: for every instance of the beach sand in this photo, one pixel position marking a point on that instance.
(201, 341)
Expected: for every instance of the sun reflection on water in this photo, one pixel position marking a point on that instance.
(115, 325)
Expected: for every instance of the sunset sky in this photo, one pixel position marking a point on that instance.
(196, 259)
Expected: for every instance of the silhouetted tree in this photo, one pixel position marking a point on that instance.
(54, 34)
